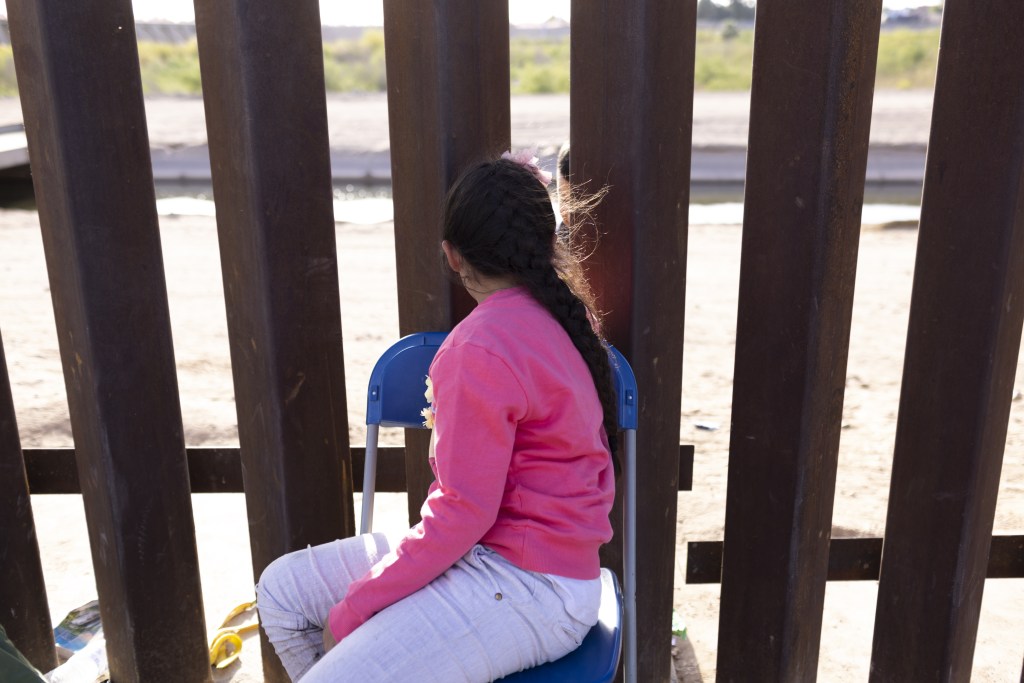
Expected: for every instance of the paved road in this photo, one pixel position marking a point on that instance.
(359, 136)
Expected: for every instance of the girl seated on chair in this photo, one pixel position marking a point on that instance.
(502, 574)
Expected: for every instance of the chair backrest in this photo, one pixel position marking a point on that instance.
(625, 389)
(395, 396)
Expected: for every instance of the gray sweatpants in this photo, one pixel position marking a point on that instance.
(482, 619)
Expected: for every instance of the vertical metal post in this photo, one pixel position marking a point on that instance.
(81, 94)
(448, 106)
(631, 646)
(24, 610)
(813, 80)
(963, 338)
(266, 115)
(631, 117)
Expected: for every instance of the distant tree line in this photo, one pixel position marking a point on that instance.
(724, 54)
(734, 10)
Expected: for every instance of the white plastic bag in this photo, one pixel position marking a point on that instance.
(88, 665)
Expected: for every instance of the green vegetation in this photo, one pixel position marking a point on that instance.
(906, 59)
(170, 69)
(539, 66)
(724, 58)
(712, 10)
(8, 83)
(356, 65)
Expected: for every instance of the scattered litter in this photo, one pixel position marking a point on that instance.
(81, 647)
(678, 628)
(83, 650)
(706, 425)
(75, 631)
(226, 643)
(88, 665)
(1018, 394)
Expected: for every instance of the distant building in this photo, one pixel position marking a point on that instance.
(164, 32)
(911, 17)
(552, 29)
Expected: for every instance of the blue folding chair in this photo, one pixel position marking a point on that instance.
(395, 399)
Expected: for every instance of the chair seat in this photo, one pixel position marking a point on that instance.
(597, 657)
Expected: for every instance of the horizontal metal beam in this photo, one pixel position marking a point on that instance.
(855, 559)
(211, 470)
(219, 470)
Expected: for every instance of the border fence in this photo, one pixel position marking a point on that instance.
(632, 65)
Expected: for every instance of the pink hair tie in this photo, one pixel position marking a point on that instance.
(527, 160)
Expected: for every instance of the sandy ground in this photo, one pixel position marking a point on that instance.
(369, 316)
(370, 320)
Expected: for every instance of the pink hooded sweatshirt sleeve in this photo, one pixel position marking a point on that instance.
(471, 475)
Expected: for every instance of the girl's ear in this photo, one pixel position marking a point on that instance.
(453, 256)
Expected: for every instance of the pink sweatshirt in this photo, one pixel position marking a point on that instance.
(522, 463)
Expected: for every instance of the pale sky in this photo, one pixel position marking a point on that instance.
(371, 12)
(342, 12)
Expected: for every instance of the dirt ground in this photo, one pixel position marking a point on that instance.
(370, 321)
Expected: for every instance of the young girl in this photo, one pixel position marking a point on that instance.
(502, 573)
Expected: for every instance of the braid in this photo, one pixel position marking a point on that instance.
(533, 264)
(501, 220)
(555, 295)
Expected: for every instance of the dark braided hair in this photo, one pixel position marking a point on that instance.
(500, 219)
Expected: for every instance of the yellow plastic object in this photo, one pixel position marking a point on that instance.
(226, 644)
